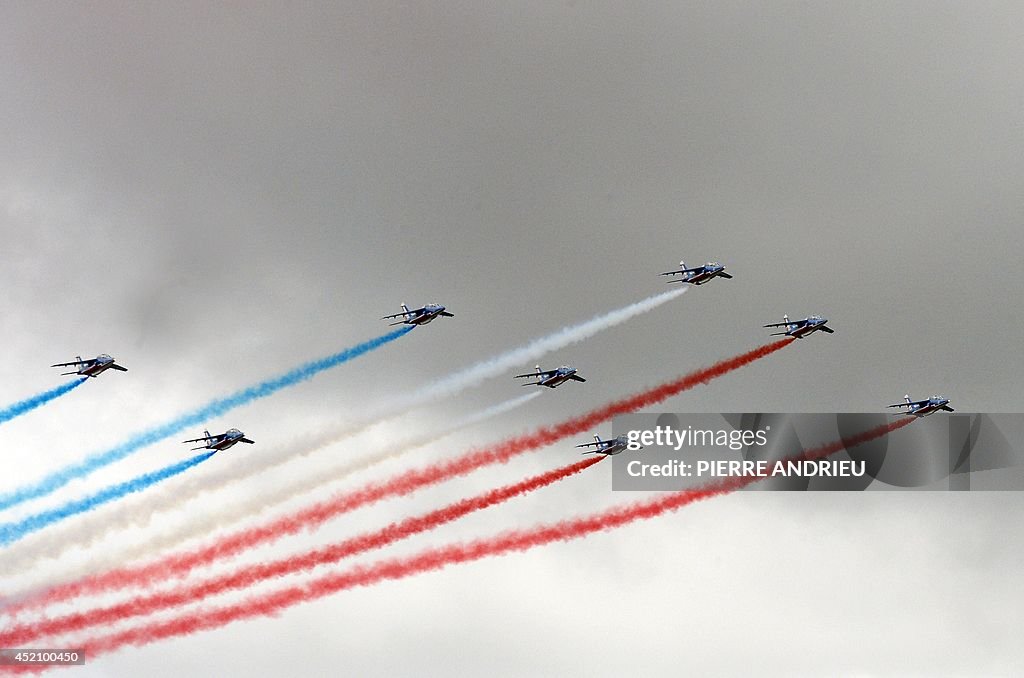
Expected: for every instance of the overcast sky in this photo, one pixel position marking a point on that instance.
(213, 193)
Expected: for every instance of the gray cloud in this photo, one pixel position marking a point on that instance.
(214, 193)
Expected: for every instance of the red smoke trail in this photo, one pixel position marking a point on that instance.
(437, 558)
(178, 565)
(253, 574)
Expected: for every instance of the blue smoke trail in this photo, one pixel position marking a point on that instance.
(14, 531)
(29, 404)
(214, 408)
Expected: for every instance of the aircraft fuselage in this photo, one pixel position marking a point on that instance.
(425, 315)
(617, 448)
(806, 329)
(928, 408)
(224, 444)
(556, 379)
(801, 332)
(96, 369)
(423, 318)
(703, 276)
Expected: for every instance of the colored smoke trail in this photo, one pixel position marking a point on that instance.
(29, 404)
(458, 381)
(197, 416)
(177, 565)
(253, 574)
(10, 532)
(449, 385)
(495, 410)
(462, 379)
(517, 357)
(53, 543)
(438, 558)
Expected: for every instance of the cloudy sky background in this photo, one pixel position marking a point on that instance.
(215, 193)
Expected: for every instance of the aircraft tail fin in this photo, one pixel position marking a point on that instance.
(907, 398)
(405, 308)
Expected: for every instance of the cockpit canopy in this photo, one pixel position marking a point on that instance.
(103, 357)
(233, 432)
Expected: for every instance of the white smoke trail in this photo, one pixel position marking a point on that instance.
(567, 336)
(55, 543)
(226, 515)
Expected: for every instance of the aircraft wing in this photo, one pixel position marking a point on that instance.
(827, 329)
(201, 440)
(399, 315)
(446, 314)
(246, 440)
(948, 408)
(115, 366)
(74, 362)
(577, 377)
(542, 375)
(782, 324)
(723, 274)
(913, 404)
(603, 443)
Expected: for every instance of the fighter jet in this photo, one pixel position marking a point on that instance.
(699, 275)
(92, 367)
(551, 378)
(420, 316)
(801, 328)
(220, 441)
(922, 408)
(607, 447)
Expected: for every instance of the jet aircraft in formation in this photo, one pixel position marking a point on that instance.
(551, 378)
(607, 447)
(801, 328)
(91, 367)
(922, 408)
(219, 441)
(419, 316)
(700, 274)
